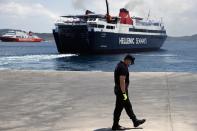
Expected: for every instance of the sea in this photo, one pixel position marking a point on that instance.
(174, 56)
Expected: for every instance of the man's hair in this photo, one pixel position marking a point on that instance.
(129, 57)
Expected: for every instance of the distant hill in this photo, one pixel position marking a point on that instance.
(2, 31)
(45, 36)
(49, 36)
(183, 38)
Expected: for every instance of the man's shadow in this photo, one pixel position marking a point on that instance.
(109, 129)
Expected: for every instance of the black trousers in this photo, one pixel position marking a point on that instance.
(122, 104)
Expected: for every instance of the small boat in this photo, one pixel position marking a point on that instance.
(20, 36)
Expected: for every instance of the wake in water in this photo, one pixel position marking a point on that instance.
(31, 58)
(174, 57)
(157, 55)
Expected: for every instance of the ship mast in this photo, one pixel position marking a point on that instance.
(108, 17)
(107, 5)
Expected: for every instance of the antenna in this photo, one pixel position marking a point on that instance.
(148, 15)
(162, 20)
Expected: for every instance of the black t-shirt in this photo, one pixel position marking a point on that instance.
(121, 70)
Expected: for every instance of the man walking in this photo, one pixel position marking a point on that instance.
(121, 78)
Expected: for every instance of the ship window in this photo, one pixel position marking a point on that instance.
(157, 31)
(141, 30)
(101, 19)
(11, 33)
(101, 26)
(93, 25)
(110, 27)
(156, 24)
(148, 31)
(97, 26)
(131, 29)
(92, 19)
(154, 31)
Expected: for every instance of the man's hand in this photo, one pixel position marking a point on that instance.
(125, 96)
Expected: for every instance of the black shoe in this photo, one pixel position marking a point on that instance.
(138, 122)
(117, 127)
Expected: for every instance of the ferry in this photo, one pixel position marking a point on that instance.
(96, 33)
(20, 36)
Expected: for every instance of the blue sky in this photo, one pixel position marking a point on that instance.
(179, 16)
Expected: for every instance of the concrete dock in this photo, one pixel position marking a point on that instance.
(84, 101)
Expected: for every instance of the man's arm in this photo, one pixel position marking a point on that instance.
(122, 83)
(122, 86)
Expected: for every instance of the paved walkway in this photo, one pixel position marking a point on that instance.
(84, 101)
